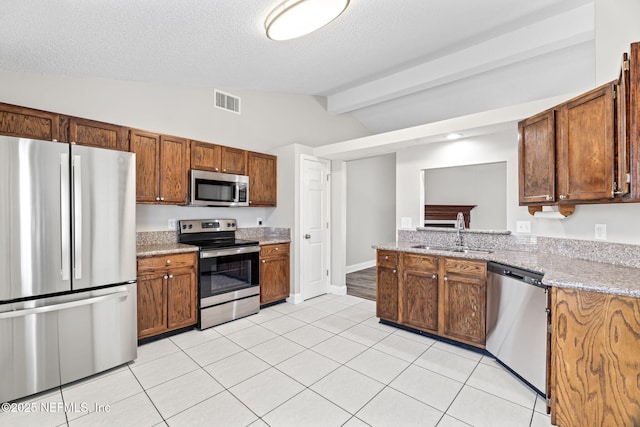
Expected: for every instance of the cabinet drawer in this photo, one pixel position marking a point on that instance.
(271, 250)
(165, 261)
(465, 267)
(387, 259)
(423, 262)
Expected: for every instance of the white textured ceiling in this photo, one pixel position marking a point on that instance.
(221, 43)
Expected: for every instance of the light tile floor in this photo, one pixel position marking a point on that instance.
(325, 362)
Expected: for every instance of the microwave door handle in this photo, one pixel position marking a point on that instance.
(237, 197)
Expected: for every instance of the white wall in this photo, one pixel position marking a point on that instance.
(371, 194)
(617, 27)
(410, 162)
(267, 121)
(620, 219)
(481, 185)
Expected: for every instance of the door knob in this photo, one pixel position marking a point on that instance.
(307, 236)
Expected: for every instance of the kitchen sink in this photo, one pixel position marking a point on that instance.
(454, 249)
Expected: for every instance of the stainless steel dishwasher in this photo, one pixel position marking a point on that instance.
(517, 322)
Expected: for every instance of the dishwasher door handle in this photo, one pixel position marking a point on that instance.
(510, 273)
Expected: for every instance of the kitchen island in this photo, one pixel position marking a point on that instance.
(594, 333)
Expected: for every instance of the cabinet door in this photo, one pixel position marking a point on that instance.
(387, 293)
(152, 304)
(146, 145)
(586, 146)
(420, 295)
(28, 123)
(98, 134)
(173, 170)
(536, 158)
(464, 308)
(263, 181)
(233, 160)
(595, 340)
(205, 156)
(182, 300)
(274, 279)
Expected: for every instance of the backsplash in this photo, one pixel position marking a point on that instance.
(260, 233)
(249, 233)
(156, 237)
(497, 240)
(611, 253)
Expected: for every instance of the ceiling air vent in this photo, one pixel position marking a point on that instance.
(227, 102)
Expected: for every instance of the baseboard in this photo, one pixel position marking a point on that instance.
(295, 298)
(360, 266)
(337, 289)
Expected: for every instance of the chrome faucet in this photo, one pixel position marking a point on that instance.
(459, 228)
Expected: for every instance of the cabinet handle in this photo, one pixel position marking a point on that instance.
(434, 276)
(277, 249)
(386, 257)
(548, 197)
(217, 169)
(168, 261)
(446, 278)
(171, 276)
(161, 198)
(562, 197)
(165, 277)
(157, 199)
(224, 170)
(395, 271)
(263, 261)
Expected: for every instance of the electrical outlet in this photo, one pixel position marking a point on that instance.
(601, 232)
(171, 224)
(405, 222)
(259, 222)
(523, 226)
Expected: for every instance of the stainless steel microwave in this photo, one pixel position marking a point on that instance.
(218, 189)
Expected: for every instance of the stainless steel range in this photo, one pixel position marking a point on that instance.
(229, 274)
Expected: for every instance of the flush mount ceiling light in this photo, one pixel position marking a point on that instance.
(295, 18)
(453, 136)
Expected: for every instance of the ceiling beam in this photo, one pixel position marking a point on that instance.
(557, 32)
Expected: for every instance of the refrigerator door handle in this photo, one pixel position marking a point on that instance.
(77, 217)
(65, 217)
(121, 293)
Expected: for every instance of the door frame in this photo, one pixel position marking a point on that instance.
(300, 234)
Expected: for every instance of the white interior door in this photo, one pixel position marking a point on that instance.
(314, 205)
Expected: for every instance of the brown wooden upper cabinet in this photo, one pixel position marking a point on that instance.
(217, 158)
(537, 158)
(263, 179)
(29, 123)
(98, 134)
(567, 154)
(162, 165)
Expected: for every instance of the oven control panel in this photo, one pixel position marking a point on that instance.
(206, 225)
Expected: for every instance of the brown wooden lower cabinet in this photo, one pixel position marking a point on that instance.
(440, 295)
(420, 291)
(387, 285)
(595, 357)
(167, 293)
(274, 273)
(464, 300)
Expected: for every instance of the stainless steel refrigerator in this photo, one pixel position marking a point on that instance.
(67, 263)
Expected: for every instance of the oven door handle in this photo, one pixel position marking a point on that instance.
(229, 251)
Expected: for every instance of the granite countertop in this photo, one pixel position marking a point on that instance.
(164, 249)
(559, 271)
